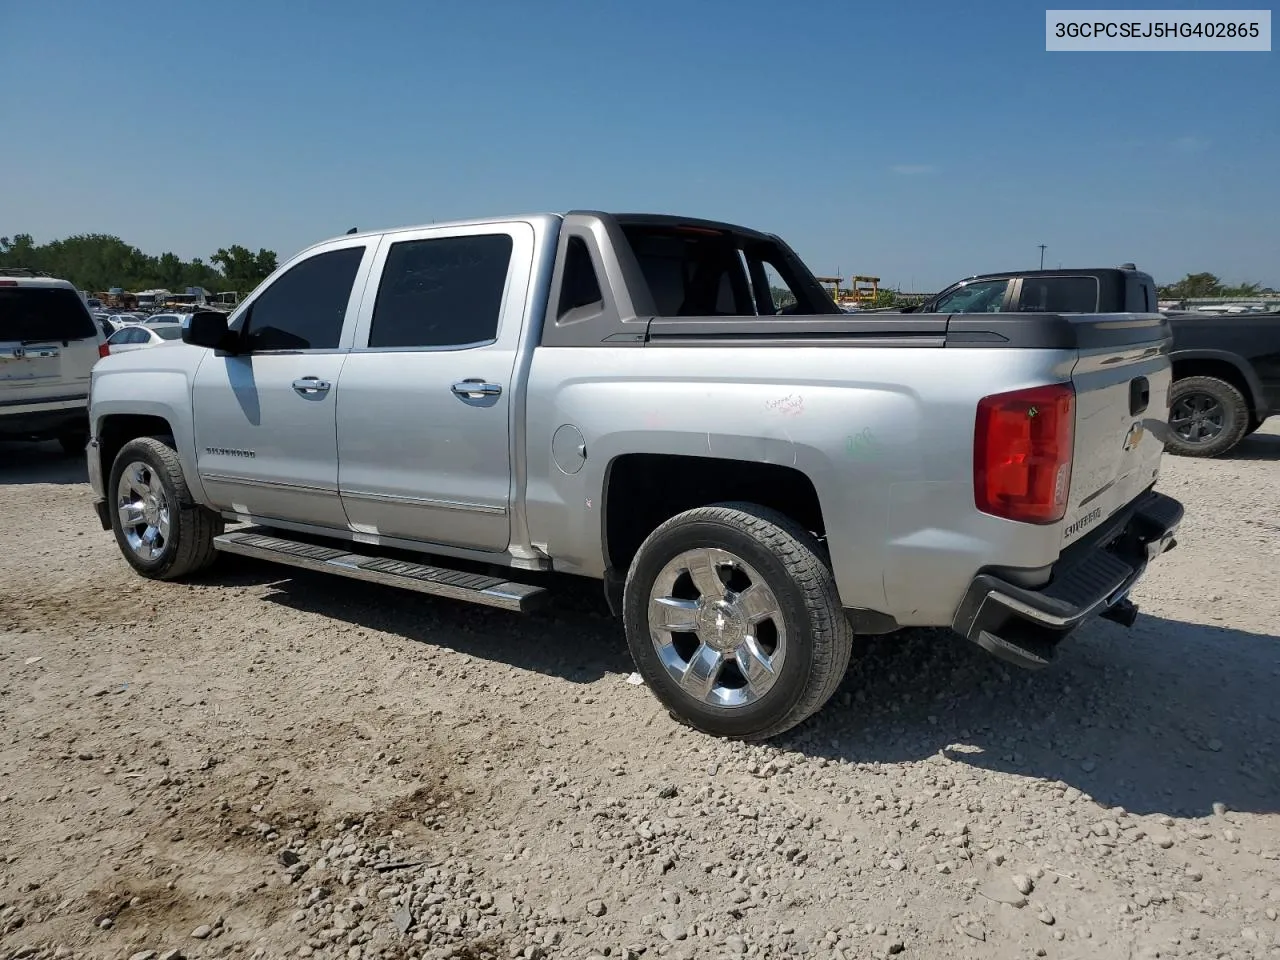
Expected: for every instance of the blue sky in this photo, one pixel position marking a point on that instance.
(917, 141)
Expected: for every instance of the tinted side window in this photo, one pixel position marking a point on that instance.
(780, 293)
(1059, 295)
(304, 308)
(580, 287)
(981, 296)
(441, 293)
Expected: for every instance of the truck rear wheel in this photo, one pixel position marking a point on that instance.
(161, 530)
(734, 621)
(1207, 417)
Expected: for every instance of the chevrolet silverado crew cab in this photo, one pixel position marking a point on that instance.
(48, 344)
(469, 409)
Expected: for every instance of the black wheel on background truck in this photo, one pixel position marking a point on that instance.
(161, 530)
(1207, 417)
(734, 621)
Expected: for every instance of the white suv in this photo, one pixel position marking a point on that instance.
(48, 345)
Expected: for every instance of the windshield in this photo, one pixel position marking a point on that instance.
(43, 313)
(168, 333)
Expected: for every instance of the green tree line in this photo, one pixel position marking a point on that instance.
(1208, 285)
(98, 262)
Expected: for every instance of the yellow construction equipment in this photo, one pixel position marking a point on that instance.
(835, 283)
(864, 290)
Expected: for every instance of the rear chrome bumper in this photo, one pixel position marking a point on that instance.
(1092, 578)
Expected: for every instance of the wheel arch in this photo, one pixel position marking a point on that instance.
(643, 490)
(1227, 367)
(115, 430)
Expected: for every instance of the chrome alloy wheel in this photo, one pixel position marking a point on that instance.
(144, 510)
(717, 627)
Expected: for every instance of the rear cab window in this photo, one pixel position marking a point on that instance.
(43, 314)
(697, 271)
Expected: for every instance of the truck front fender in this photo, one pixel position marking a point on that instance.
(124, 391)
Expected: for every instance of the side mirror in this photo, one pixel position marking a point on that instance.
(208, 328)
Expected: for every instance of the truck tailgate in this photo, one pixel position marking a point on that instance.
(1121, 380)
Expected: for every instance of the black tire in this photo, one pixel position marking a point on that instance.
(792, 564)
(1230, 417)
(189, 545)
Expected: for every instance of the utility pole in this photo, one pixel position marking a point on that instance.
(1041, 255)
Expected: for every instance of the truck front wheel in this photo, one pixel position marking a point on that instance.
(161, 530)
(734, 621)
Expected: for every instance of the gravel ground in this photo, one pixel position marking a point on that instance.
(270, 764)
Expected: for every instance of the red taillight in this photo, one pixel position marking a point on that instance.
(104, 350)
(8, 283)
(1022, 453)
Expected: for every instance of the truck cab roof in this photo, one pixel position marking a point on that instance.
(1121, 289)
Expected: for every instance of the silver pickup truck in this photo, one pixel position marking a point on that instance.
(674, 407)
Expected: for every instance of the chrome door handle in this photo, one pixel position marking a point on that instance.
(310, 386)
(476, 389)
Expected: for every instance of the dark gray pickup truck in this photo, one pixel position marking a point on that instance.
(1226, 368)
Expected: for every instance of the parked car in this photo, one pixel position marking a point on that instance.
(1226, 372)
(142, 335)
(466, 409)
(166, 318)
(48, 345)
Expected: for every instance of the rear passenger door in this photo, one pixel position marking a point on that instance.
(425, 398)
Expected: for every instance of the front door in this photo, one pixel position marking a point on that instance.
(265, 427)
(424, 401)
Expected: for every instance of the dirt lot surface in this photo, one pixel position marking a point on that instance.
(264, 764)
